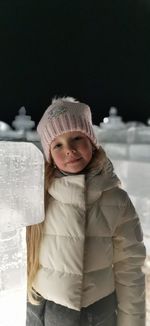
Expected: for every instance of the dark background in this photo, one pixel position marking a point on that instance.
(97, 51)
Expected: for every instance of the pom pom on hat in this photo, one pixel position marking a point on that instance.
(64, 115)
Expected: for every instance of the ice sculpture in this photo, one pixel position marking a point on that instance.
(114, 131)
(21, 204)
(135, 177)
(114, 121)
(22, 121)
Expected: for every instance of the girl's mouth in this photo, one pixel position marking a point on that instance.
(74, 160)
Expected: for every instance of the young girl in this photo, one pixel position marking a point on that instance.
(85, 259)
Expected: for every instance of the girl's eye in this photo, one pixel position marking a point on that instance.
(57, 146)
(78, 138)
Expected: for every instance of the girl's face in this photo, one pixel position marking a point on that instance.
(71, 152)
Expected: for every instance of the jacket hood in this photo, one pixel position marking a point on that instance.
(105, 179)
(108, 179)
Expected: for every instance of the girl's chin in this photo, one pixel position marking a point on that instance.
(74, 169)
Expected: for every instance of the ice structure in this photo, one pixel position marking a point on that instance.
(135, 177)
(21, 204)
(127, 141)
(22, 121)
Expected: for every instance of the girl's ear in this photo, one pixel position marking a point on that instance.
(93, 148)
(53, 163)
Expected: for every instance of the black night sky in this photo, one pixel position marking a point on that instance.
(97, 51)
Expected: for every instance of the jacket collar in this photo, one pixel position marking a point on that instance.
(84, 188)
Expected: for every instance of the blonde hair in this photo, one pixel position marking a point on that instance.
(34, 232)
(33, 240)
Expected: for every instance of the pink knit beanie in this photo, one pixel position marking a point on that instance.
(63, 115)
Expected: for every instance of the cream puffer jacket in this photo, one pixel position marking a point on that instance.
(92, 245)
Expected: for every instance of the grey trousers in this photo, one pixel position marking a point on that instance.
(101, 313)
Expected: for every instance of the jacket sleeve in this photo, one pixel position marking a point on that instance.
(129, 257)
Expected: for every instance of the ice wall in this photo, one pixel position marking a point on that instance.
(135, 178)
(21, 204)
(130, 152)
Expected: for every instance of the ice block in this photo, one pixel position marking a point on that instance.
(21, 204)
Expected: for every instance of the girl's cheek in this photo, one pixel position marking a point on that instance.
(58, 158)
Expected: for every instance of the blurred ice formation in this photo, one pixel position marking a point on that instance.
(113, 121)
(22, 127)
(128, 141)
(23, 121)
(135, 177)
(21, 204)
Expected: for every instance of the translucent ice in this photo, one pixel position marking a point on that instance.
(13, 278)
(21, 204)
(139, 152)
(125, 151)
(21, 185)
(135, 177)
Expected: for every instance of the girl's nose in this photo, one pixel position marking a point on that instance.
(70, 150)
